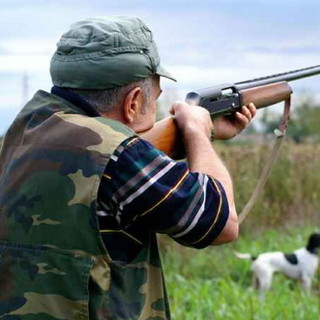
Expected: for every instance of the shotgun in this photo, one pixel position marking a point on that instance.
(226, 99)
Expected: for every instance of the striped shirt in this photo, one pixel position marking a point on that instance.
(143, 190)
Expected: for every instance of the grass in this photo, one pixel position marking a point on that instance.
(225, 299)
(212, 284)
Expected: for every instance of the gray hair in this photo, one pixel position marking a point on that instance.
(106, 100)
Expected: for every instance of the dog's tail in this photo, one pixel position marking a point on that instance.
(246, 256)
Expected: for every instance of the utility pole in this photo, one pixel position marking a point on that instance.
(25, 88)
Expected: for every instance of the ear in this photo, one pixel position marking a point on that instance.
(132, 104)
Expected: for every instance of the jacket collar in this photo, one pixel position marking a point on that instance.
(75, 100)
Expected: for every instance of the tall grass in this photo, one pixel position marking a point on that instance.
(211, 284)
(291, 195)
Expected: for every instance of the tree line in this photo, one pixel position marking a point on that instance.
(304, 121)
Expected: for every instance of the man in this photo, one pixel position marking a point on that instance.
(82, 196)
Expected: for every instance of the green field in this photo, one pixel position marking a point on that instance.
(211, 284)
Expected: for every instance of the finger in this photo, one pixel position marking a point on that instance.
(246, 112)
(174, 107)
(243, 121)
(252, 108)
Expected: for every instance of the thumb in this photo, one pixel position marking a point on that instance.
(174, 107)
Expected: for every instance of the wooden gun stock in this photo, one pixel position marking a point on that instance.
(267, 95)
(165, 135)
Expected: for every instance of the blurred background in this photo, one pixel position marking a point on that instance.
(202, 43)
(206, 43)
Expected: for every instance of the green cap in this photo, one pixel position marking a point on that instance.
(105, 53)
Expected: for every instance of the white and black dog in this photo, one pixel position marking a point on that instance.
(300, 265)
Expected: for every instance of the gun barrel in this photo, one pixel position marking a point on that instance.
(286, 76)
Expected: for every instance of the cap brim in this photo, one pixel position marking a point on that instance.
(164, 73)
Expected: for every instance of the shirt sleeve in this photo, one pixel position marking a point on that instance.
(140, 183)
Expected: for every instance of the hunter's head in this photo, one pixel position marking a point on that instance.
(114, 64)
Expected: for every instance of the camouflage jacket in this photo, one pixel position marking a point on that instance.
(53, 263)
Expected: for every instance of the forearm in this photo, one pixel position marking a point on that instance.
(203, 158)
(195, 125)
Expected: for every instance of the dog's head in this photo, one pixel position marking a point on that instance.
(314, 243)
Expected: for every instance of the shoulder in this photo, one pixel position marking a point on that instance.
(140, 153)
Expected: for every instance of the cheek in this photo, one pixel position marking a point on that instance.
(150, 119)
(154, 114)
(151, 112)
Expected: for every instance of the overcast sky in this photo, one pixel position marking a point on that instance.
(202, 43)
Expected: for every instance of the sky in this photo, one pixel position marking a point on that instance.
(202, 43)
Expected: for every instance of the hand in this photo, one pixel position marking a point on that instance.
(192, 120)
(229, 126)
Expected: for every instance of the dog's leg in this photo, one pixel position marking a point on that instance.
(264, 280)
(306, 283)
(255, 282)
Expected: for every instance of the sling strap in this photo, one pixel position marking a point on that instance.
(280, 134)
